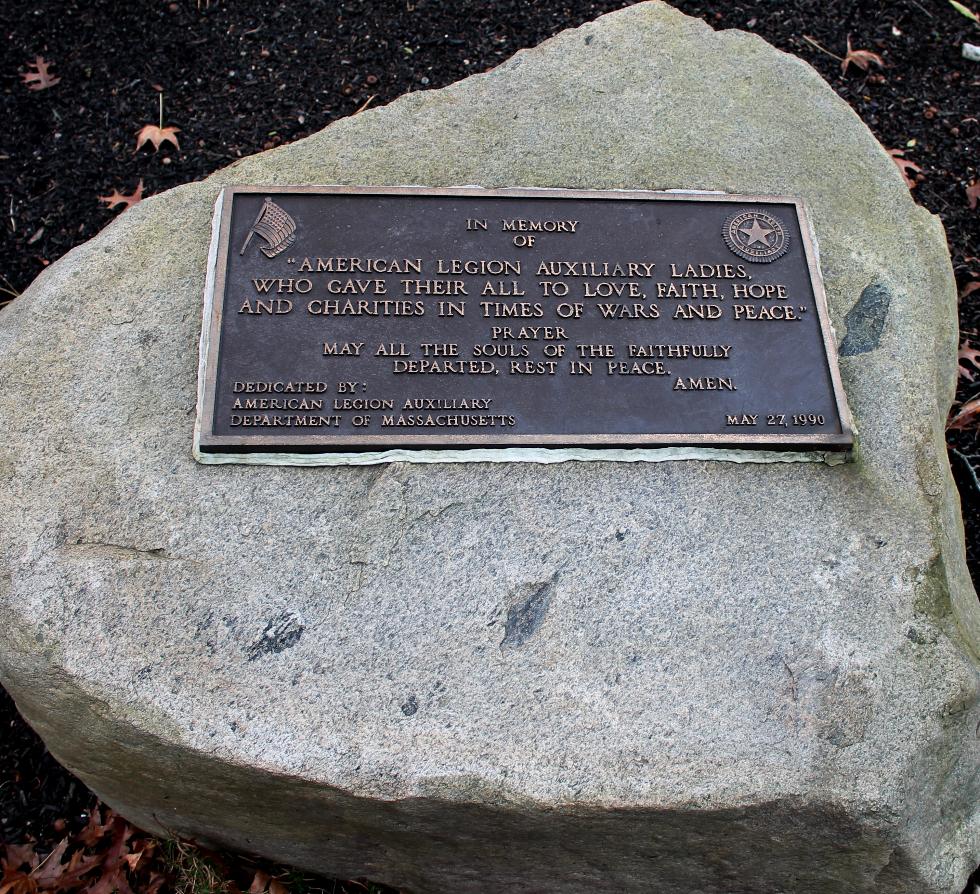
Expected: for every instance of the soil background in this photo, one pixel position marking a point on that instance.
(240, 76)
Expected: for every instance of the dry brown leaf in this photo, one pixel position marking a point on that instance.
(967, 415)
(861, 58)
(973, 194)
(15, 882)
(259, 883)
(150, 133)
(42, 78)
(95, 830)
(971, 355)
(50, 868)
(121, 833)
(105, 858)
(277, 887)
(17, 855)
(970, 288)
(113, 878)
(118, 198)
(110, 882)
(904, 165)
(78, 866)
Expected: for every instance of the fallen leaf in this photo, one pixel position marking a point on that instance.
(51, 867)
(966, 416)
(259, 883)
(970, 288)
(78, 866)
(111, 882)
(13, 881)
(42, 78)
(861, 58)
(150, 133)
(973, 194)
(971, 355)
(277, 887)
(113, 878)
(117, 198)
(121, 833)
(94, 830)
(17, 855)
(960, 8)
(904, 165)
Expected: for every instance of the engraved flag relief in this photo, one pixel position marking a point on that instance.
(275, 226)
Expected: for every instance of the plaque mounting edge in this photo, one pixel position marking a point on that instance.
(670, 447)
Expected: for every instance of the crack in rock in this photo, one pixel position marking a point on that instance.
(97, 548)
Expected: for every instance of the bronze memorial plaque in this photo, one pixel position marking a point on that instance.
(365, 319)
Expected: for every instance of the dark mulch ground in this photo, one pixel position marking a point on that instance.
(238, 77)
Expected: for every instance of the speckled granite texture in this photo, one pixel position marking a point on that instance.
(677, 677)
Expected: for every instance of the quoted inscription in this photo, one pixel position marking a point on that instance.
(561, 290)
(618, 320)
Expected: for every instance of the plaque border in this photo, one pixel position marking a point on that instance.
(210, 445)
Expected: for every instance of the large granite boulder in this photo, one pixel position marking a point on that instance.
(695, 676)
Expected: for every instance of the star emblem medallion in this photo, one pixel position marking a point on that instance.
(756, 236)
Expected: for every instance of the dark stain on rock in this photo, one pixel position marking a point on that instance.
(281, 633)
(525, 618)
(866, 320)
(411, 706)
(920, 638)
(589, 38)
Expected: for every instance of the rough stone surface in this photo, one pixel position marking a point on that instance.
(683, 677)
